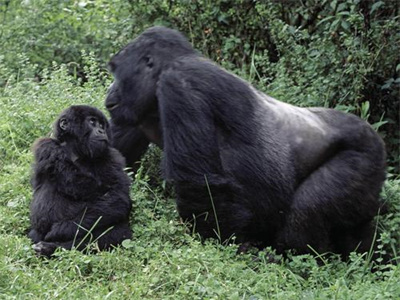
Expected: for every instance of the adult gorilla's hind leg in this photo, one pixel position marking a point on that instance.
(115, 236)
(342, 193)
(347, 240)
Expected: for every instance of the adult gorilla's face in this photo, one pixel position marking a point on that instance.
(136, 70)
(132, 95)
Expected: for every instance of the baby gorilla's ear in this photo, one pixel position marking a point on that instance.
(63, 124)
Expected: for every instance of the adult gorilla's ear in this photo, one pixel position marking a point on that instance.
(63, 124)
(149, 61)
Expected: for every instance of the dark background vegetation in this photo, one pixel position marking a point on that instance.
(341, 54)
(53, 53)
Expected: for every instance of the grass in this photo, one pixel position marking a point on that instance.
(163, 260)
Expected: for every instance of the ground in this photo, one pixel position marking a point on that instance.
(163, 260)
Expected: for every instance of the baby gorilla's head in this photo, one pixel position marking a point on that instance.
(85, 130)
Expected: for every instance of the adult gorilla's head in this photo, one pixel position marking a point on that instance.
(136, 70)
(84, 130)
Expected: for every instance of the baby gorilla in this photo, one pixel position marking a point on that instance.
(81, 193)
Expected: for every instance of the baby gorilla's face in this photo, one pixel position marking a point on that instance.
(85, 130)
(97, 139)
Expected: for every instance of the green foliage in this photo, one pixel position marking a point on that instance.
(388, 241)
(163, 260)
(56, 31)
(341, 54)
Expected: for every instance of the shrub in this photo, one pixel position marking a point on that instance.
(340, 54)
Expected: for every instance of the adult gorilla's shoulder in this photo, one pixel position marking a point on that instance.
(243, 163)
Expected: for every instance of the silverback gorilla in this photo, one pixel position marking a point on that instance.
(244, 164)
(81, 193)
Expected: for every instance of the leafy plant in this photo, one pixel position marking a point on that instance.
(340, 54)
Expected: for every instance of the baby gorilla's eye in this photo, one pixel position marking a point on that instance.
(92, 121)
(63, 124)
(101, 125)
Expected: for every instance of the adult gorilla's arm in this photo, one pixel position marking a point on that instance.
(206, 121)
(189, 133)
(131, 142)
(196, 157)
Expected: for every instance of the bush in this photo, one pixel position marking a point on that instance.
(341, 54)
(42, 32)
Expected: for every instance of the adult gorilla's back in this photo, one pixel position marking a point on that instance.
(278, 174)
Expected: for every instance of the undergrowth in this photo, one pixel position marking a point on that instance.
(164, 259)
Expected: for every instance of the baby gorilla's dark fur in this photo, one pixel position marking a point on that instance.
(81, 193)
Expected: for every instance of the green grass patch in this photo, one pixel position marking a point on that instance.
(163, 260)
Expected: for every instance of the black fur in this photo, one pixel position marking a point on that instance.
(278, 174)
(79, 185)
